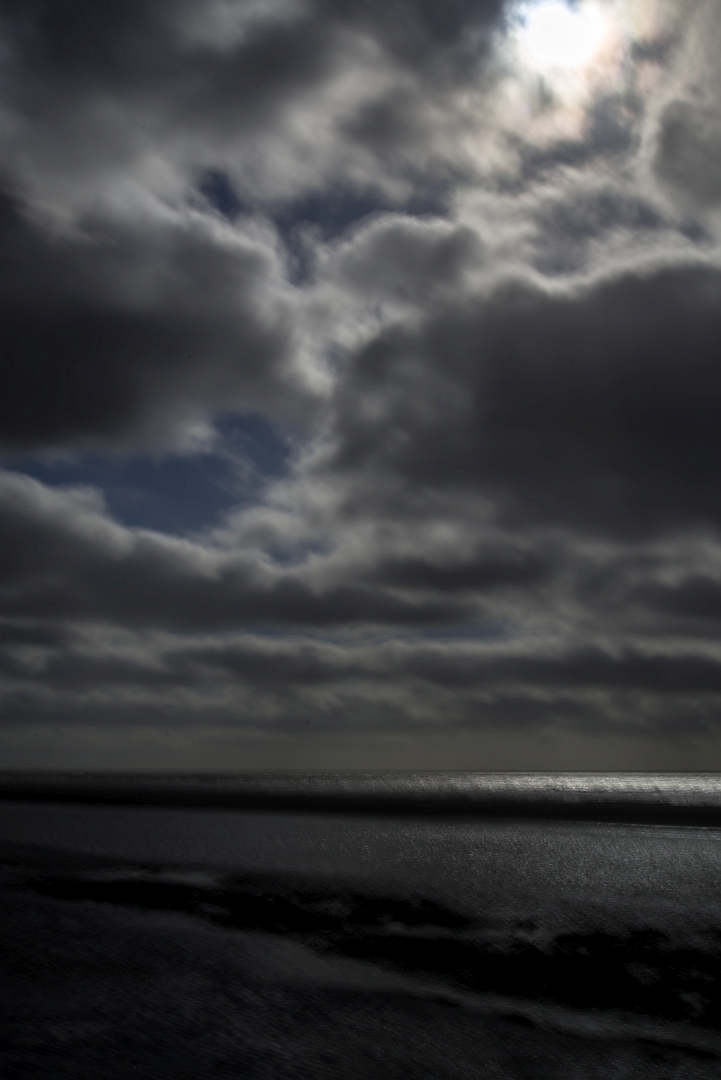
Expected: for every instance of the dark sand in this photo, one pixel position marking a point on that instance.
(110, 981)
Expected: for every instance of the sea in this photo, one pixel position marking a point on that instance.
(423, 926)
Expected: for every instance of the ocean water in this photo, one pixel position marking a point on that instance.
(374, 925)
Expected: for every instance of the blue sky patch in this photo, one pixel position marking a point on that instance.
(176, 493)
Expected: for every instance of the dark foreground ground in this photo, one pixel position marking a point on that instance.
(93, 989)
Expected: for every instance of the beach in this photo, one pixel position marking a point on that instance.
(177, 942)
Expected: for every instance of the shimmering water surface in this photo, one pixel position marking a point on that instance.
(654, 789)
(363, 944)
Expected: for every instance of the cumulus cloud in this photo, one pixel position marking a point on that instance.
(593, 407)
(477, 300)
(131, 335)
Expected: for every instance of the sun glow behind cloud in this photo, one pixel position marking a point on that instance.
(553, 35)
(558, 56)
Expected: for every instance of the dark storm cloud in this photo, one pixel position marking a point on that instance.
(596, 410)
(65, 53)
(398, 256)
(479, 666)
(218, 71)
(689, 150)
(80, 43)
(566, 227)
(129, 335)
(698, 597)
(23, 634)
(588, 667)
(344, 687)
(136, 320)
(479, 302)
(63, 559)
(490, 570)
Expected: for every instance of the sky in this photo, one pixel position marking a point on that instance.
(360, 384)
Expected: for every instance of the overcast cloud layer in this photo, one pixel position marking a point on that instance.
(360, 385)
